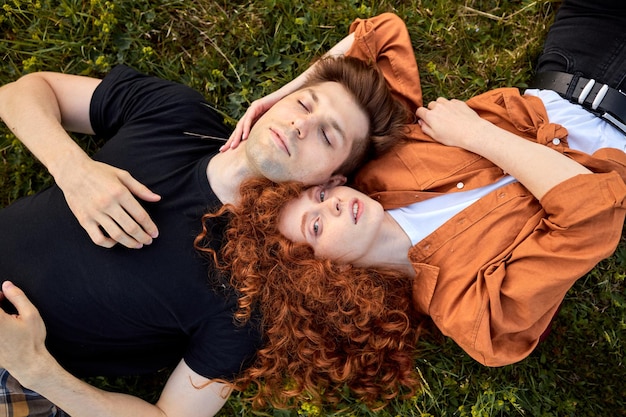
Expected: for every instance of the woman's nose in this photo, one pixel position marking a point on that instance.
(334, 207)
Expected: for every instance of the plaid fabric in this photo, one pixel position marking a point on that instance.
(17, 401)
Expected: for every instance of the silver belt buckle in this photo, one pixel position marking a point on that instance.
(614, 121)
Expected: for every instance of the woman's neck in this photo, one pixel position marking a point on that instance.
(391, 248)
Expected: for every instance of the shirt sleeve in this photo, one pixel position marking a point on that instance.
(385, 40)
(222, 349)
(126, 95)
(513, 300)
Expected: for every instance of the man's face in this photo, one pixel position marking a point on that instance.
(307, 135)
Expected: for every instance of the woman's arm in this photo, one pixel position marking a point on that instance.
(260, 106)
(24, 355)
(530, 253)
(39, 109)
(536, 166)
(383, 39)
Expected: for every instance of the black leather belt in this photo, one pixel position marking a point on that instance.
(600, 99)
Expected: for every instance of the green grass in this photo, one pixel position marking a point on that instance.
(236, 51)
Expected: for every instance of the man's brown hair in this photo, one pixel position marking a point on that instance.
(367, 86)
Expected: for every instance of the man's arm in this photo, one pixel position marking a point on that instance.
(39, 109)
(23, 354)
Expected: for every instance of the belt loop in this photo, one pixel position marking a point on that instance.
(572, 85)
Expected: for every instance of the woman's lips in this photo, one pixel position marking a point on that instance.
(357, 210)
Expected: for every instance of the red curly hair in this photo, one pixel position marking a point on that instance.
(325, 326)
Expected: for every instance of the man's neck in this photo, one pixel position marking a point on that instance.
(226, 171)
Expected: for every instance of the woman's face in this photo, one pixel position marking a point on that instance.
(340, 223)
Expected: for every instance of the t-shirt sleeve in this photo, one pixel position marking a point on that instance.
(221, 348)
(125, 95)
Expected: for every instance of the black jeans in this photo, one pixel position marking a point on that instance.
(588, 37)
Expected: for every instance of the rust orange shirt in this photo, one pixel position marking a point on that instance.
(493, 276)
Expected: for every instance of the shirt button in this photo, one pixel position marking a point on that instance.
(460, 185)
(556, 141)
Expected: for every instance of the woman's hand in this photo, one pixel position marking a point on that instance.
(538, 167)
(244, 125)
(451, 122)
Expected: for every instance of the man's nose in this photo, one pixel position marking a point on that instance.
(302, 125)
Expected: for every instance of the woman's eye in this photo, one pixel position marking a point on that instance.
(322, 196)
(316, 227)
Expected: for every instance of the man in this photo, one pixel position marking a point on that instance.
(109, 309)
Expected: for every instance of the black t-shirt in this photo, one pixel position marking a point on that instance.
(122, 311)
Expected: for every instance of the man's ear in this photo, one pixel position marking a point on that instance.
(335, 181)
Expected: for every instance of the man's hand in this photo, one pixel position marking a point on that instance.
(102, 198)
(40, 108)
(23, 334)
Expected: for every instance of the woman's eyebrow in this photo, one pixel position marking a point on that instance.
(303, 225)
(308, 193)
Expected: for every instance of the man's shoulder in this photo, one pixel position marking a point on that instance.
(123, 76)
(126, 96)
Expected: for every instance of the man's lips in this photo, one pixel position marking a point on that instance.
(280, 140)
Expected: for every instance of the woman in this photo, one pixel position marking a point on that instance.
(324, 326)
(493, 267)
